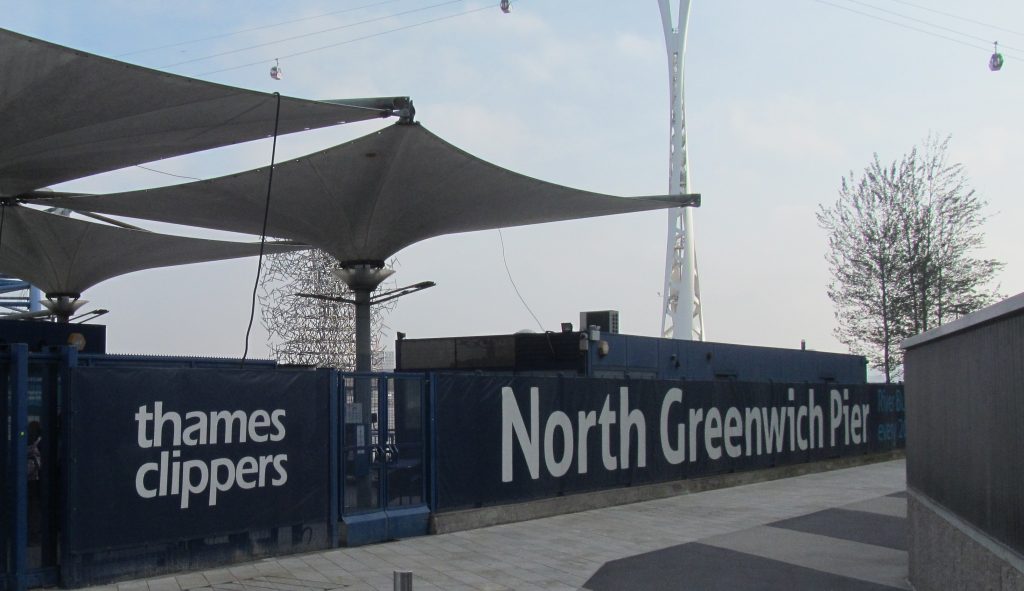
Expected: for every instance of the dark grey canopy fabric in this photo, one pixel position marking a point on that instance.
(67, 114)
(60, 255)
(367, 199)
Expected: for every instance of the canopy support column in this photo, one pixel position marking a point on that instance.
(364, 360)
(362, 277)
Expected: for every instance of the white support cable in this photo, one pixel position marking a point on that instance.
(681, 316)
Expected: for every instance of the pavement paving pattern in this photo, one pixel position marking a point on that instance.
(853, 548)
(833, 530)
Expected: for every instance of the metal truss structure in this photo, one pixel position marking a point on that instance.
(313, 331)
(681, 316)
(18, 296)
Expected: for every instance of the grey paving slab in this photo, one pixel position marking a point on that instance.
(857, 526)
(887, 505)
(560, 552)
(876, 564)
(696, 566)
(192, 581)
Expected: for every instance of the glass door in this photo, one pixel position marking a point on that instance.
(383, 463)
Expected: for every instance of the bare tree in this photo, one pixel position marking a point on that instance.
(309, 331)
(902, 244)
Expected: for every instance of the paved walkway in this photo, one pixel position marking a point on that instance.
(836, 530)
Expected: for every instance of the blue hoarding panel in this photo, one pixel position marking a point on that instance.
(160, 455)
(502, 439)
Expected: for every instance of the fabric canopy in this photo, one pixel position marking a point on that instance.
(68, 114)
(367, 199)
(60, 255)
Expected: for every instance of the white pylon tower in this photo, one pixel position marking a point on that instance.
(681, 316)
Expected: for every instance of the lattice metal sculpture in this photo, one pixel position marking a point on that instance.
(309, 331)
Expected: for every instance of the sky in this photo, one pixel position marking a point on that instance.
(782, 100)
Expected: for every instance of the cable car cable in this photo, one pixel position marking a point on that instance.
(259, 28)
(904, 25)
(323, 47)
(924, 22)
(963, 18)
(304, 35)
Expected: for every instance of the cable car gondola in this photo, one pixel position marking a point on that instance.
(275, 71)
(995, 63)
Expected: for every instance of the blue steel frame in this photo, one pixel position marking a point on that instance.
(431, 438)
(5, 506)
(334, 409)
(30, 303)
(68, 361)
(17, 470)
(14, 406)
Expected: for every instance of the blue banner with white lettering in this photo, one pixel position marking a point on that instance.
(159, 455)
(508, 439)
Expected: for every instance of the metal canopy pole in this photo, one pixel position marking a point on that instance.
(362, 278)
(681, 312)
(364, 358)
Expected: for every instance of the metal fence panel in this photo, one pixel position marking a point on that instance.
(172, 468)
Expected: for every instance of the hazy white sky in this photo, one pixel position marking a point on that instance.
(782, 100)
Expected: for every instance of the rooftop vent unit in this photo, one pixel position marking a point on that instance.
(606, 320)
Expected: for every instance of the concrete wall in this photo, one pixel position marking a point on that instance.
(965, 466)
(948, 553)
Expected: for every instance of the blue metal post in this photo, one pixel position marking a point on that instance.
(19, 453)
(7, 470)
(342, 434)
(334, 456)
(68, 362)
(432, 437)
(382, 438)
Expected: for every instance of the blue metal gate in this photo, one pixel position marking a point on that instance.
(383, 460)
(30, 408)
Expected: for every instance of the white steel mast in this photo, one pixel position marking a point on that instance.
(681, 316)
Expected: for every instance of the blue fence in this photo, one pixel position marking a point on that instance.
(201, 464)
(504, 439)
(133, 466)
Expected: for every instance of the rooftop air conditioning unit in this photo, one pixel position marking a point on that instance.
(607, 320)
